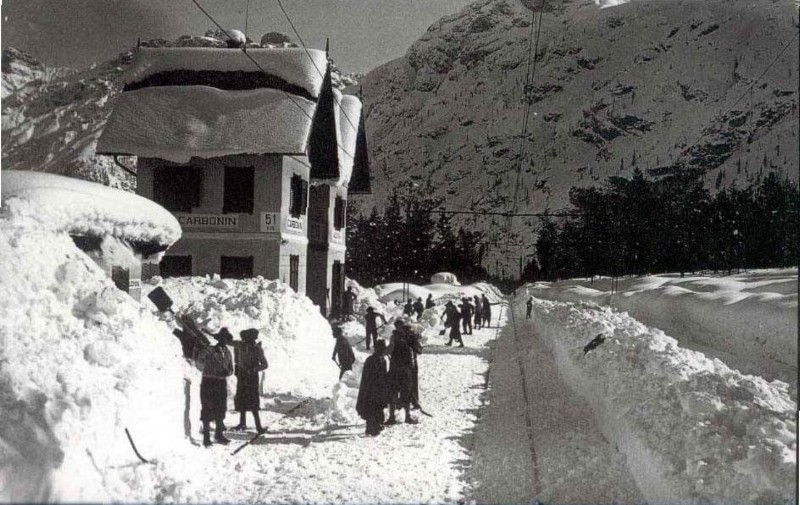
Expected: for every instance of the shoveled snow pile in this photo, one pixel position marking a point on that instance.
(62, 204)
(80, 362)
(690, 427)
(747, 320)
(296, 339)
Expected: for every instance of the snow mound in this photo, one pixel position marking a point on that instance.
(81, 362)
(178, 122)
(444, 278)
(751, 319)
(296, 339)
(349, 114)
(36, 200)
(393, 291)
(290, 64)
(690, 427)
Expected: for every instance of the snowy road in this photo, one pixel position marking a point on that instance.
(303, 460)
(539, 440)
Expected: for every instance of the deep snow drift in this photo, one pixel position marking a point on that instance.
(690, 427)
(748, 320)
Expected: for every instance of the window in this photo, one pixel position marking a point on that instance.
(238, 190)
(339, 213)
(294, 271)
(177, 188)
(337, 287)
(236, 267)
(298, 196)
(121, 278)
(175, 266)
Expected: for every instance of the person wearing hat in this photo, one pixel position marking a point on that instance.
(217, 365)
(371, 320)
(373, 393)
(343, 351)
(249, 360)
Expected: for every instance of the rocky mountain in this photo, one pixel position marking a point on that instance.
(52, 117)
(647, 84)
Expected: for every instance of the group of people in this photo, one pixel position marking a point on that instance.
(217, 364)
(390, 378)
(460, 318)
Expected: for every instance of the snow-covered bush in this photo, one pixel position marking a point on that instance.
(444, 278)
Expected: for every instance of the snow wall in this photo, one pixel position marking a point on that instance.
(758, 329)
(80, 362)
(692, 429)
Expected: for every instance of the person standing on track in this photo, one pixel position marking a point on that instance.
(371, 320)
(486, 309)
(216, 364)
(529, 308)
(466, 315)
(402, 381)
(478, 314)
(453, 321)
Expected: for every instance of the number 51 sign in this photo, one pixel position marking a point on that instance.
(270, 222)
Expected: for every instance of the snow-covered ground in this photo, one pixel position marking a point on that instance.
(689, 427)
(749, 320)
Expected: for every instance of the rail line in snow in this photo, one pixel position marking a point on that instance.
(537, 486)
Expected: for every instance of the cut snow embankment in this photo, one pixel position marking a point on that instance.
(751, 320)
(690, 427)
(80, 362)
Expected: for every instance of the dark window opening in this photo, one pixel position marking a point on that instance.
(298, 196)
(177, 189)
(294, 271)
(175, 266)
(87, 243)
(121, 278)
(238, 190)
(236, 267)
(337, 288)
(339, 213)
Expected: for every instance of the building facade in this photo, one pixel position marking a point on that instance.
(253, 162)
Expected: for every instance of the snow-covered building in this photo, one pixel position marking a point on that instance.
(230, 143)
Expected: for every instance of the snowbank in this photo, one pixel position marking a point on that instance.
(292, 65)
(690, 427)
(37, 200)
(444, 278)
(297, 340)
(80, 362)
(751, 317)
(178, 122)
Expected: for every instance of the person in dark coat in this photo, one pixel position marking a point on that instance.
(486, 308)
(419, 308)
(453, 321)
(216, 364)
(429, 303)
(347, 302)
(344, 352)
(371, 320)
(373, 393)
(478, 314)
(466, 315)
(402, 371)
(529, 308)
(249, 360)
(408, 309)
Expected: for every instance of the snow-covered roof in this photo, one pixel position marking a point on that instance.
(290, 64)
(178, 122)
(81, 207)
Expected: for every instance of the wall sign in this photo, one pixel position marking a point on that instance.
(270, 222)
(294, 224)
(208, 220)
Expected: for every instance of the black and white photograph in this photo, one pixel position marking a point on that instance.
(380, 252)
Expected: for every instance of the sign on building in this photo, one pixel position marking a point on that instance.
(208, 220)
(294, 224)
(270, 222)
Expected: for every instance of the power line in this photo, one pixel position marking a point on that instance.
(280, 4)
(244, 51)
(694, 144)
